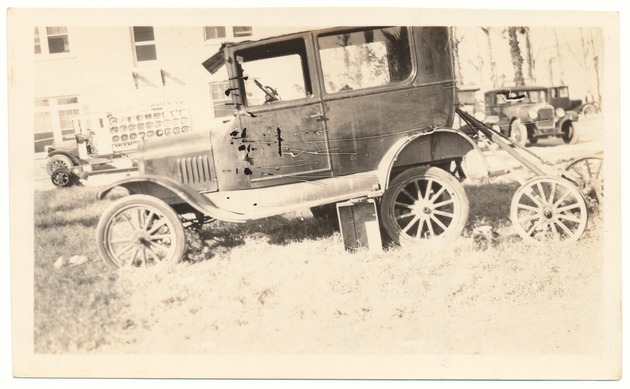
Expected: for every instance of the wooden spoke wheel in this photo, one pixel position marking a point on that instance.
(140, 231)
(588, 172)
(549, 210)
(424, 203)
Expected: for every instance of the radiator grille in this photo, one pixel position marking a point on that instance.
(194, 170)
(545, 114)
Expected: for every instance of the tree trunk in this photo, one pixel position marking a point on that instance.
(517, 58)
(493, 68)
(559, 55)
(456, 61)
(531, 66)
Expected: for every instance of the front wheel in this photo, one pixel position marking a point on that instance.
(518, 133)
(140, 231)
(569, 134)
(57, 162)
(424, 203)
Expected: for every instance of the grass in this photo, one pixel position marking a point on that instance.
(284, 284)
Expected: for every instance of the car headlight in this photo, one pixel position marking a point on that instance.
(560, 112)
(533, 113)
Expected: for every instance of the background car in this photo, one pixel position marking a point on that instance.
(525, 114)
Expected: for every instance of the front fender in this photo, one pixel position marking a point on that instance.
(173, 192)
(569, 117)
(425, 149)
(68, 154)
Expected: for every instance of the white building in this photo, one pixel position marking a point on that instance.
(83, 70)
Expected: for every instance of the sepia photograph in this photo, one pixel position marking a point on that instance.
(283, 193)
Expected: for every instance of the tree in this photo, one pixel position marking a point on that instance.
(455, 41)
(493, 67)
(515, 53)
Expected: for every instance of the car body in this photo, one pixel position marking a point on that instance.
(525, 114)
(355, 112)
(559, 98)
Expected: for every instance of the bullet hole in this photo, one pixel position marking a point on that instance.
(231, 143)
(264, 134)
(244, 133)
(236, 173)
(248, 171)
(234, 133)
(241, 148)
(249, 147)
(254, 149)
(255, 204)
(268, 144)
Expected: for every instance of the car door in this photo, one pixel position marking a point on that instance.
(281, 136)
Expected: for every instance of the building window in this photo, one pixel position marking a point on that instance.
(241, 31)
(38, 46)
(53, 120)
(55, 41)
(144, 43)
(220, 100)
(213, 32)
(219, 32)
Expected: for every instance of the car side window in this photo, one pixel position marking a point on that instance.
(274, 73)
(364, 59)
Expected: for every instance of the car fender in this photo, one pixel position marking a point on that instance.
(76, 161)
(425, 149)
(173, 192)
(570, 116)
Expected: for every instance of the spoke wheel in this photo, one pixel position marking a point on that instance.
(62, 178)
(549, 210)
(588, 172)
(140, 231)
(57, 162)
(424, 203)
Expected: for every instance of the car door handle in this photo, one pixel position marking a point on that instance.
(317, 116)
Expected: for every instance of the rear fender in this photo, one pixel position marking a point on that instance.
(427, 149)
(173, 192)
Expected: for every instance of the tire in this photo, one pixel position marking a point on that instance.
(549, 210)
(140, 231)
(57, 162)
(589, 110)
(569, 133)
(437, 211)
(63, 178)
(518, 133)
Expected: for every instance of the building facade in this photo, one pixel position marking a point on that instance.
(80, 71)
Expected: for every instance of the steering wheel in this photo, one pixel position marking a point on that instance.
(266, 89)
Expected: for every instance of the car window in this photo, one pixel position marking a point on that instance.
(564, 92)
(364, 59)
(274, 73)
(537, 96)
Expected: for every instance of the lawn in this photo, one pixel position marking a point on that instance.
(285, 285)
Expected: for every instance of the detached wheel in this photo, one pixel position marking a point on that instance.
(140, 231)
(518, 133)
(569, 134)
(57, 162)
(549, 210)
(63, 178)
(424, 203)
(589, 173)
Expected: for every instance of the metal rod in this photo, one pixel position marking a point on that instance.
(504, 144)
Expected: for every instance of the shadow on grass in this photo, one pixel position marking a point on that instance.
(490, 203)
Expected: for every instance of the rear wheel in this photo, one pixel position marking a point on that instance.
(424, 203)
(140, 231)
